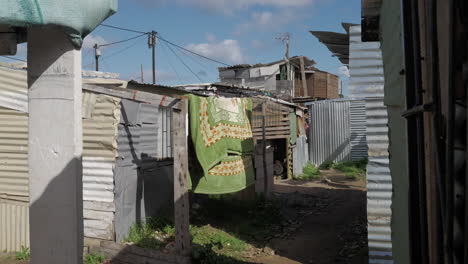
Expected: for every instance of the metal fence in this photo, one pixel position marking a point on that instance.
(337, 130)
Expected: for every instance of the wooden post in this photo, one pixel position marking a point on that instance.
(265, 174)
(181, 198)
(303, 77)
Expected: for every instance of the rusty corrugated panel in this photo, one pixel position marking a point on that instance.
(367, 82)
(13, 154)
(13, 88)
(14, 225)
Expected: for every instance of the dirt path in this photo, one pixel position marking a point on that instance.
(333, 231)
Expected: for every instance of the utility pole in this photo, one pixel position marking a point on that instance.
(97, 54)
(152, 45)
(285, 39)
(141, 69)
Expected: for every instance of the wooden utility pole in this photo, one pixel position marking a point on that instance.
(141, 70)
(152, 45)
(97, 54)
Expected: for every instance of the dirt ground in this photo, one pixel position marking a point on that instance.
(327, 224)
(332, 231)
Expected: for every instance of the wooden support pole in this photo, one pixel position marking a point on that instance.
(181, 196)
(303, 77)
(265, 174)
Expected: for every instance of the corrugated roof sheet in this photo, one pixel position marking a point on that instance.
(367, 81)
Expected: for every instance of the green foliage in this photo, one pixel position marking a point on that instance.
(352, 169)
(309, 172)
(23, 254)
(94, 258)
(326, 165)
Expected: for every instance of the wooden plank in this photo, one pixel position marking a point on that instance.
(99, 206)
(181, 199)
(106, 234)
(98, 215)
(145, 97)
(271, 128)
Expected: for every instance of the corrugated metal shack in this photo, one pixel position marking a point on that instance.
(337, 130)
(367, 82)
(119, 168)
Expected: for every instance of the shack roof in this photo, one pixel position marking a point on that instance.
(296, 59)
(337, 43)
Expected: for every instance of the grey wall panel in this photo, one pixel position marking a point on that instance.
(141, 194)
(300, 155)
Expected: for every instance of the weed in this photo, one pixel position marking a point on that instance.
(309, 172)
(94, 258)
(326, 165)
(152, 233)
(23, 254)
(352, 169)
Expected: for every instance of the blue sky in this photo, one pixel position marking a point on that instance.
(232, 31)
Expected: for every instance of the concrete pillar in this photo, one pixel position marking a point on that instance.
(55, 148)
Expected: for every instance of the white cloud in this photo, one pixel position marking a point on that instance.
(258, 44)
(227, 50)
(231, 6)
(343, 71)
(210, 37)
(266, 21)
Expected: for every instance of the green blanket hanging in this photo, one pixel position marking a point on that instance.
(223, 142)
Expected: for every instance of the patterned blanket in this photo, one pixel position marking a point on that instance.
(222, 138)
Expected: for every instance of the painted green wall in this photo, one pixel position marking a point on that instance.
(395, 99)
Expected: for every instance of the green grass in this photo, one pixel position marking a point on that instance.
(235, 226)
(309, 172)
(23, 254)
(151, 233)
(352, 169)
(326, 165)
(94, 258)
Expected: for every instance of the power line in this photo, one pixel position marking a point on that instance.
(12, 58)
(170, 63)
(198, 77)
(167, 41)
(173, 44)
(120, 41)
(120, 51)
(125, 29)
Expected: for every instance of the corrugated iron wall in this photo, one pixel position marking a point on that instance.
(358, 129)
(13, 88)
(13, 154)
(329, 131)
(337, 130)
(14, 225)
(367, 81)
(101, 114)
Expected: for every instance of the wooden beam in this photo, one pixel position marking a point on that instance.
(145, 97)
(181, 196)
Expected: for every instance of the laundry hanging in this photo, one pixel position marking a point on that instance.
(223, 142)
